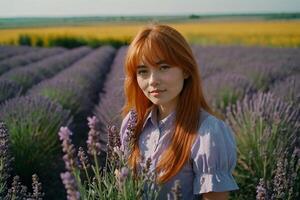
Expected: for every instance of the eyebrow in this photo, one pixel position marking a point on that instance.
(158, 63)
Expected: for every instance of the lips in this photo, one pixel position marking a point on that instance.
(157, 91)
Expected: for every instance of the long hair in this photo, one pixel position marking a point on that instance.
(165, 43)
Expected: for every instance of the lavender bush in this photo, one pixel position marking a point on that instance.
(264, 126)
(216, 59)
(10, 51)
(288, 89)
(8, 89)
(223, 89)
(31, 135)
(16, 191)
(286, 179)
(260, 64)
(111, 100)
(74, 88)
(114, 180)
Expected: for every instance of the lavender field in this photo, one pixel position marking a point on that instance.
(256, 90)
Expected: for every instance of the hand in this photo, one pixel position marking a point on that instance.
(215, 196)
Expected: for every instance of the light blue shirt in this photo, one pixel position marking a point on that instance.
(212, 160)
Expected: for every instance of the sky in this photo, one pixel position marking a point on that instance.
(57, 8)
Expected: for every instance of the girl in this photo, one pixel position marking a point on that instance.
(175, 126)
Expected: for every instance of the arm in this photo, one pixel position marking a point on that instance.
(215, 196)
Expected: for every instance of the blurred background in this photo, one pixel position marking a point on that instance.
(61, 61)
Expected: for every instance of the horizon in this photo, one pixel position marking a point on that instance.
(158, 15)
(107, 8)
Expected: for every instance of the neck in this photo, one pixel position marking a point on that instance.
(164, 111)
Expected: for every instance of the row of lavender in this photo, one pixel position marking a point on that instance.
(10, 51)
(257, 91)
(19, 79)
(33, 120)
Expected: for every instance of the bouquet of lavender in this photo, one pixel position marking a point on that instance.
(86, 177)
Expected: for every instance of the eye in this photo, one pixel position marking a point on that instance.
(142, 72)
(164, 67)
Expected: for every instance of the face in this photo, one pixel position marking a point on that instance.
(161, 84)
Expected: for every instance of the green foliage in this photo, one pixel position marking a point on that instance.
(25, 40)
(67, 97)
(73, 42)
(67, 42)
(265, 127)
(34, 143)
(226, 97)
(39, 42)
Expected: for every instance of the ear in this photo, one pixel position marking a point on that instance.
(185, 75)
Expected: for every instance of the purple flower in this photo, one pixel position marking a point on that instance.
(93, 142)
(64, 133)
(68, 148)
(83, 164)
(261, 192)
(5, 158)
(70, 185)
(121, 175)
(92, 121)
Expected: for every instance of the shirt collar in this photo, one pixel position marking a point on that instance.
(152, 117)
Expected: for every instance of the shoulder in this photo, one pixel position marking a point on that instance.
(215, 127)
(213, 156)
(214, 135)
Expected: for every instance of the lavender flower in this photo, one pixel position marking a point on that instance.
(37, 193)
(70, 185)
(114, 143)
(122, 175)
(5, 159)
(93, 144)
(129, 132)
(68, 148)
(261, 192)
(280, 180)
(84, 163)
(17, 191)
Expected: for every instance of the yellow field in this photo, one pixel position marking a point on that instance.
(263, 33)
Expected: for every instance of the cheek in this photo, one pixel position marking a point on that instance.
(142, 83)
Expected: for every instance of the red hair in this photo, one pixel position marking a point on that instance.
(161, 42)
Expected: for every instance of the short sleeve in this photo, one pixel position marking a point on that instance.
(214, 157)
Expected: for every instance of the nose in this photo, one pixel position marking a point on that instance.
(154, 79)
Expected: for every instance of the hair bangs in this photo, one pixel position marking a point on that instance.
(149, 52)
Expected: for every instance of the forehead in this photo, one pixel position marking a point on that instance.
(146, 62)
